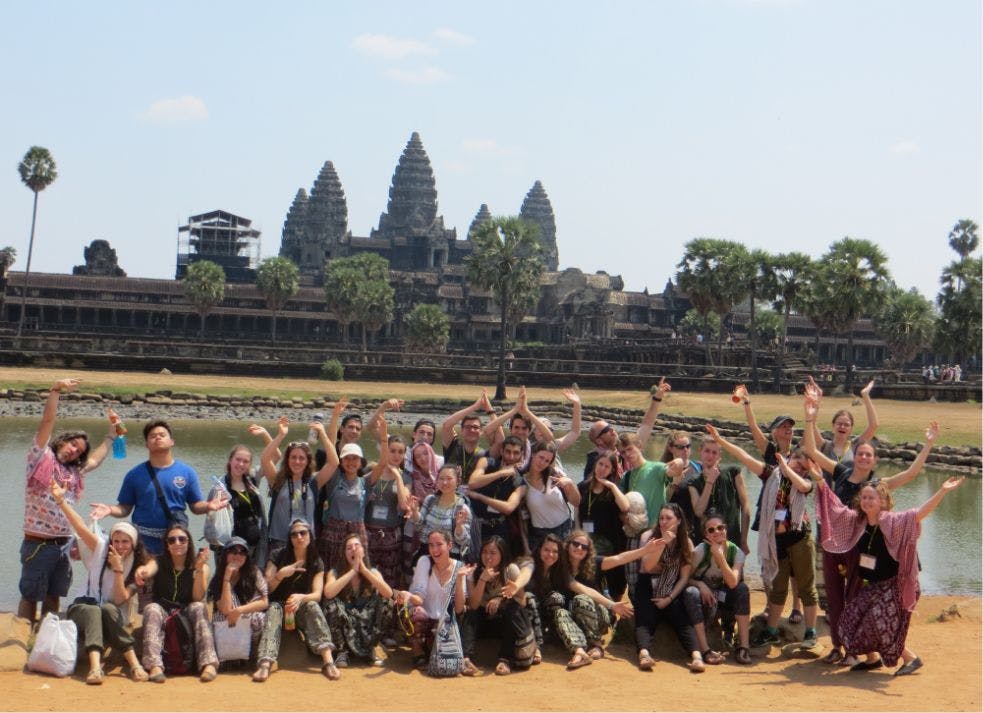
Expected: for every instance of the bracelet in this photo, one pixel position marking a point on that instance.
(746, 402)
(657, 399)
(118, 571)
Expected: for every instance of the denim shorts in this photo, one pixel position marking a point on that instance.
(46, 570)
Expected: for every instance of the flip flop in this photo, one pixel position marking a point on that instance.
(262, 673)
(833, 657)
(712, 658)
(330, 671)
(578, 661)
(138, 674)
(503, 668)
(595, 652)
(795, 617)
(95, 677)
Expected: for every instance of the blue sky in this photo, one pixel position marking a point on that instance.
(782, 124)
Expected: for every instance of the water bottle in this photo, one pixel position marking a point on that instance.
(289, 624)
(312, 435)
(119, 442)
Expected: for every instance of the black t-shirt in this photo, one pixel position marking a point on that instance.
(247, 511)
(456, 454)
(299, 583)
(500, 489)
(871, 544)
(171, 587)
(839, 483)
(602, 511)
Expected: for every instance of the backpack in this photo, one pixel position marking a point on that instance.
(179, 644)
(704, 565)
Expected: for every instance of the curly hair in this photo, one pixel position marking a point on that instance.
(587, 569)
(62, 438)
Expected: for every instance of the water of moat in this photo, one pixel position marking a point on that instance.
(949, 548)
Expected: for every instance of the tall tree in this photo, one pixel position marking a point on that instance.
(37, 172)
(374, 305)
(964, 237)
(204, 286)
(817, 303)
(358, 289)
(277, 279)
(858, 279)
(791, 272)
(695, 322)
(506, 258)
(715, 275)
(762, 285)
(906, 323)
(958, 328)
(427, 329)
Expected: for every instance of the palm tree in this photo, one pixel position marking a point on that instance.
(963, 237)
(204, 286)
(506, 259)
(791, 271)
(715, 275)
(858, 280)
(958, 328)
(277, 279)
(37, 172)
(761, 286)
(906, 324)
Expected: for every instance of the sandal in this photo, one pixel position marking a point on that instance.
(696, 666)
(262, 673)
(578, 661)
(503, 668)
(208, 674)
(910, 667)
(833, 657)
(139, 674)
(645, 662)
(469, 669)
(537, 657)
(595, 652)
(712, 658)
(158, 677)
(743, 655)
(330, 671)
(95, 677)
(795, 617)
(867, 665)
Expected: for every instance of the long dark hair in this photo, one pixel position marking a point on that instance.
(283, 472)
(244, 589)
(542, 446)
(189, 558)
(311, 557)
(503, 551)
(683, 550)
(553, 580)
(586, 572)
(349, 591)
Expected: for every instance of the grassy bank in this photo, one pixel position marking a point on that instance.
(900, 420)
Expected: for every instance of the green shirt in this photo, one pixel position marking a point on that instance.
(650, 480)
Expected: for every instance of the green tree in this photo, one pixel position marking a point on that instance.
(958, 328)
(767, 324)
(277, 279)
(37, 172)
(506, 259)
(358, 289)
(715, 275)
(906, 323)
(695, 322)
(792, 273)
(817, 303)
(427, 329)
(857, 273)
(964, 237)
(763, 286)
(204, 286)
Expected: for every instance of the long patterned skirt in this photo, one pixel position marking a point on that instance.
(875, 620)
(386, 553)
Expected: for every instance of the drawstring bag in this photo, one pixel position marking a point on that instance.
(233, 641)
(55, 647)
(447, 655)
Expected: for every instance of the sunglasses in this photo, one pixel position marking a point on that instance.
(580, 545)
(177, 539)
(300, 533)
(680, 445)
(718, 528)
(606, 429)
(238, 551)
(299, 444)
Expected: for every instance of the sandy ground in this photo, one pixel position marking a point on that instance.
(951, 680)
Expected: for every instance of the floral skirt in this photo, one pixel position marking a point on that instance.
(875, 620)
(386, 553)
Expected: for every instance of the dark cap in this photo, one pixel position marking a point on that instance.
(236, 542)
(779, 420)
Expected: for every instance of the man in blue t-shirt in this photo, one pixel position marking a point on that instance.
(138, 494)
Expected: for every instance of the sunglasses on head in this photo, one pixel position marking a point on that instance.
(299, 444)
(177, 539)
(718, 528)
(238, 551)
(299, 533)
(580, 545)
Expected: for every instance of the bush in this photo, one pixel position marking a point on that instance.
(332, 370)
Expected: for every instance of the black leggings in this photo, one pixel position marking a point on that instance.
(647, 617)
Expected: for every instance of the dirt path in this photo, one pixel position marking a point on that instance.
(950, 680)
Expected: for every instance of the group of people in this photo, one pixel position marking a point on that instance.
(934, 373)
(493, 538)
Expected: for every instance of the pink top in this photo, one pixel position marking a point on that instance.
(42, 516)
(843, 527)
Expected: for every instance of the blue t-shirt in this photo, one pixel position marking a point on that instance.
(180, 486)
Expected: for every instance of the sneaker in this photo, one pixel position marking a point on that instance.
(766, 638)
(809, 641)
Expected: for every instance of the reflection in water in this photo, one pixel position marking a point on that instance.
(949, 548)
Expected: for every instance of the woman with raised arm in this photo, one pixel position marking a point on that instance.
(99, 614)
(239, 590)
(843, 446)
(847, 479)
(547, 495)
(444, 511)
(180, 581)
(876, 618)
(248, 514)
(423, 482)
(294, 485)
(388, 499)
(296, 581)
(599, 515)
(664, 574)
(785, 545)
(357, 605)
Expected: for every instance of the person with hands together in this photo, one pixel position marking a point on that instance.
(522, 424)
(358, 604)
(180, 581)
(46, 572)
(99, 613)
(295, 579)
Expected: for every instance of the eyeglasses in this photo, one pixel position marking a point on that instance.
(718, 528)
(300, 533)
(177, 539)
(680, 445)
(580, 545)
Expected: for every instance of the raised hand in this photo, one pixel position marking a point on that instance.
(669, 536)
(282, 424)
(812, 390)
(290, 570)
(393, 404)
(865, 392)
(952, 483)
(202, 557)
(811, 409)
(662, 388)
(932, 432)
(488, 575)
(466, 571)
(98, 511)
(66, 385)
(256, 430)
(571, 396)
(340, 404)
(714, 433)
(711, 473)
(114, 560)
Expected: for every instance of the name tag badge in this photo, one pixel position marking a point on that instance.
(721, 596)
(588, 526)
(380, 512)
(780, 515)
(868, 561)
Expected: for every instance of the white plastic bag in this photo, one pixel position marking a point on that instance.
(232, 643)
(55, 647)
(218, 525)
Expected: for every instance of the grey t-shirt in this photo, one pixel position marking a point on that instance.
(382, 505)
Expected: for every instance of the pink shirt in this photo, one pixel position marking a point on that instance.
(42, 516)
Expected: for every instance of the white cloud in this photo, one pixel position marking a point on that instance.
(177, 110)
(905, 146)
(387, 47)
(454, 37)
(425, 75)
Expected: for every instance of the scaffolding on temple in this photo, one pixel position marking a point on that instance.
(223, 238)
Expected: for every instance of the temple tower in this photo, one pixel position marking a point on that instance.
(482, 216)
(536, 208)
(321, 223)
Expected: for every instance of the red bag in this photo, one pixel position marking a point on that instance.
(179, 644)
